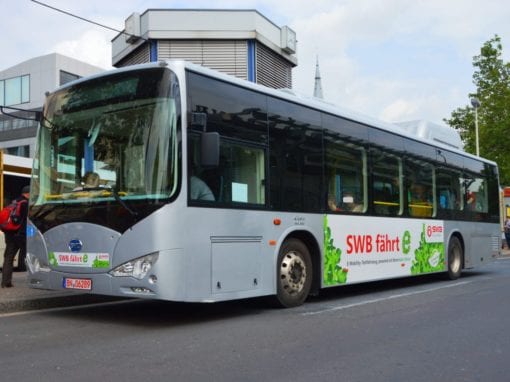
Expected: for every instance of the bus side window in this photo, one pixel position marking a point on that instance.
(445, 198)
(201, 187)
(420, 201)
(476, 194)
(420, 181)
(346, 180)
(386, 184)
(448, 188)
(239, 177)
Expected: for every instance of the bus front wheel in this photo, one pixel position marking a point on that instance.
(294, 274)
(455, 258)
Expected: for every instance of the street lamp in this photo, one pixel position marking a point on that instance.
(475, 102)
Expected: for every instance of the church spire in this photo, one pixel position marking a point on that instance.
(317, 91)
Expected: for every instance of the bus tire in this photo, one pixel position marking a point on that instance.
(455, 258)
(294, 274)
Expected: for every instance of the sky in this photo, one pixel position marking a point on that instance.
(395, 60)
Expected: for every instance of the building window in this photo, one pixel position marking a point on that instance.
(66, 77)
(25, 89)
(14, 91)
(7, 123)
(21, 151)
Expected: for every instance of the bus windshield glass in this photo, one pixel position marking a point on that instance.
(111, 137)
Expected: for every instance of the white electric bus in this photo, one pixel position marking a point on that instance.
(209, 188)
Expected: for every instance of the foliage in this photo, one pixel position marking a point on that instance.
(492, 80)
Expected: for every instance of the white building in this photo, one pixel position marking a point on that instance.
(24, 86)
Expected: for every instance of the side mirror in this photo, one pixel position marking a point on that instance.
(34, 115)
(210, 150)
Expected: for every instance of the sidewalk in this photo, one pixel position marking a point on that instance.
(21, 297)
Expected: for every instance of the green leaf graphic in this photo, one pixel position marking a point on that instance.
(100, 263)
(429, 257)
(52, 259)
(334, 274)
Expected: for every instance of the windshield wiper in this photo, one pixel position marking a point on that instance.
(115, 194)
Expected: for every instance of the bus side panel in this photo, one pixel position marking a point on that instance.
(232, 253)
(359, 249)
(227, 254)
(481, 241)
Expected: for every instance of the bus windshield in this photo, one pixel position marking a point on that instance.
(113, 137)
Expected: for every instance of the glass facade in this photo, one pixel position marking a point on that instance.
(14, 91)
(13, 123)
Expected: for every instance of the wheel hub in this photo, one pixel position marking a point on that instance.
(293, 273)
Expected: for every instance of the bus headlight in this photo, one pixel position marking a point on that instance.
(137, 268)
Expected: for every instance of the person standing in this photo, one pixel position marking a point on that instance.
(507, 232)
(16, 241)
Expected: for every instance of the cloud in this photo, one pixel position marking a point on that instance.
(93, 47)
(394, 59)
(391, 59)
(399, 110)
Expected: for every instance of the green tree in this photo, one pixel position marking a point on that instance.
(492, 80)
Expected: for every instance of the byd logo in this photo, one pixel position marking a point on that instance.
(75, 245)
(433, 229)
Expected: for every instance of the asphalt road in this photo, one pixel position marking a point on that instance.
(419, 329)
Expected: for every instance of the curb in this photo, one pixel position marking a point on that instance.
(24, 298)
(50, 302)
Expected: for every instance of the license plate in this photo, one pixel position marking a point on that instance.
(81, 284)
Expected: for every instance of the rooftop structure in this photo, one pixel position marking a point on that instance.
(242, 43)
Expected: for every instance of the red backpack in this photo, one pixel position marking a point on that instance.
(10, 216)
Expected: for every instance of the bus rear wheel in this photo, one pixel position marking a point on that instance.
(294, 274)
(455, 258)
